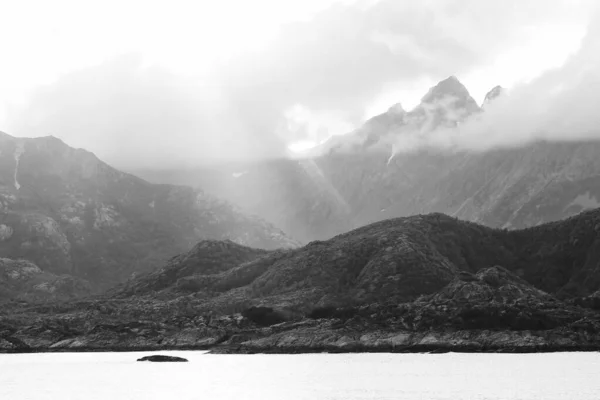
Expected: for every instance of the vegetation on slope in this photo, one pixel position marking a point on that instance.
(398, 259)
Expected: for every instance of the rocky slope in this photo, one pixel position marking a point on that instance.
(492, 310)
(69, 213)
(397, 260)
(428, 282)
(23, 280)
(360, 180)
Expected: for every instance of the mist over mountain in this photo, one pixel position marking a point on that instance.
(393, 166)
(70, 215)
(314, 78)
(556, 106)
(445, 106)
(492, 95)
(140, 116)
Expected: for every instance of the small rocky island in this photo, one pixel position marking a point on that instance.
(160, 358)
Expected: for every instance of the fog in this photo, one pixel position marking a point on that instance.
(137, 116)
(559, 105)
(316, 77)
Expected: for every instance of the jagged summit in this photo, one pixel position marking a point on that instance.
(450, 93)
(396, 109)
(493, 94)
(446, 104)
(450, 86)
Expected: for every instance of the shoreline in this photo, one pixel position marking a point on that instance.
(422, 349)
(109, 349)
(246, 350)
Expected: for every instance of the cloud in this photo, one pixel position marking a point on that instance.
(142, 117)
(559, 105)
(314, 79)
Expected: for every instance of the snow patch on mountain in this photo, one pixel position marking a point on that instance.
(19, 150)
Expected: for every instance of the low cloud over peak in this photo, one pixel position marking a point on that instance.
(316, 78)
(559, 105)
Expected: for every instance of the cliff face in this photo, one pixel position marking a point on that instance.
(69, 213)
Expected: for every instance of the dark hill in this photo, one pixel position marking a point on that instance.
(396, 260)
(207, 257)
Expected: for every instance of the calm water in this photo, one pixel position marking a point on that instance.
(117, 376)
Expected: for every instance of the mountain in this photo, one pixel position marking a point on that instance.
(393, 260)
(319, 198)
(492, 95)
(67, 212)
(427, 282)
(446, 104)
(362, 178)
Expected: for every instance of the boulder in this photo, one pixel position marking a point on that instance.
(159, 358)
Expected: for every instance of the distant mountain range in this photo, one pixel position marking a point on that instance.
(359, 180)
(68, 213)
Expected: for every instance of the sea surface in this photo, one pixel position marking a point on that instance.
(451, 376)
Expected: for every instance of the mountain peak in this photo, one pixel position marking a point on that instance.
(396, 109)
(450, 86)
(446, 104)
(493, 94)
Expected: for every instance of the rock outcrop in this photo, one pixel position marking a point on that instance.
(160, 358)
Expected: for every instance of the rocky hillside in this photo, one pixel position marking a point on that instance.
(67, 212)
(360, 180)
(428, 282)
(396, 260)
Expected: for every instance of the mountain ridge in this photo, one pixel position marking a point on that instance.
(418, 244)
(423, 283)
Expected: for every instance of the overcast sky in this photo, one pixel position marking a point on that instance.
(173, 83)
